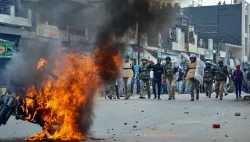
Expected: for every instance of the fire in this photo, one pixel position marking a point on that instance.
(62, 98)
(57, 102)
(41, 63)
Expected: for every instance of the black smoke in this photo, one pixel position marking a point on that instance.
(151, 16)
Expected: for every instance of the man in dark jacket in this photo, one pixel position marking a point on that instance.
(238, 79)
(208, 79)
(158, 77)
(221, 75)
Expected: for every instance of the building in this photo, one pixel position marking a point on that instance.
(51, 25)
(227, 25)
(24, 22)
(13, 21)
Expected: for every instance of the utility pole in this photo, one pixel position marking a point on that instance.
(138, 39)
(218, 31)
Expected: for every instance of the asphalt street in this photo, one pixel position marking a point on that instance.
(159, 120)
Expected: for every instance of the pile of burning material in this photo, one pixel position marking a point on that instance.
(61, 98)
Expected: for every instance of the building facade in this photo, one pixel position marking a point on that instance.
(228, 26)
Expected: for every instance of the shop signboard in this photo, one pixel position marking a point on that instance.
(6, 48)
(48, 31)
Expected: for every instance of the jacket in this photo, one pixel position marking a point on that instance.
(180, 76)
(191, 70)
(144, 72)
(221, 73)
(240, 76)
(168, 71)
(157, 70)
(208, 75)
(127, 69)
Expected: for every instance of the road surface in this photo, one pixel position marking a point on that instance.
(153, 120)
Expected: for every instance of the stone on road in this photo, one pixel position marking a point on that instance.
(159, 120)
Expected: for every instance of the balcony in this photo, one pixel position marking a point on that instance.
(8, 17)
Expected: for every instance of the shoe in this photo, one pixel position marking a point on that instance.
(240, 96)
(149, 97)
(169, 98)
(159, 98)
(197, 98)
(216, 97)
(237, 97)
(221, 99)
(226, 94)
(154, 97)
(192, 99)
(126, 98)
(209, 96)
(142, 97)
(173, 98)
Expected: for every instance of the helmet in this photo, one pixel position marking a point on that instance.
(168, 58)
(220, 62)
(192, 56)
(143, 58)
(208, 63)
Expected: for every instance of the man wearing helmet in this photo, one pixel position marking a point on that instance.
(190, 73)
(144, 71)
(208, 78)
(170, 76)
(221, 75)
(157, 77)
(126, 74)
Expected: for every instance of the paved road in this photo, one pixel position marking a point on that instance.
(152, 120)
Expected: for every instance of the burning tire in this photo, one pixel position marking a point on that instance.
(6, 108)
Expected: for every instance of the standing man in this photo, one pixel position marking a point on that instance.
(180, 81)
(157, 77)
(144, 77)
(170, 77)
(221, 75)
(208, 79)
(126, 74)
(190, 73)
(238, 79)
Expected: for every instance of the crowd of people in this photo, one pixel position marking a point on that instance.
(215, 79)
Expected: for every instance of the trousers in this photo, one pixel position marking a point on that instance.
(219, 88)
(125, 82)
(171, 85)
(158, 83)
(238, 87)
(179, 86)
(208, 88)
(194, 85)
(142, 89)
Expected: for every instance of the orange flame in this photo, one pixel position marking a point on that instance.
(41, 63)
(58, 101)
